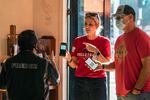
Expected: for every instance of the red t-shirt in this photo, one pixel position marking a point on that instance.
(130, 48)
(79, 51)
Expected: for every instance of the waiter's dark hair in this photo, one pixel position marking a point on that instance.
(27, 40)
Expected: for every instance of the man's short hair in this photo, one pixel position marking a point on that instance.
(27, 40)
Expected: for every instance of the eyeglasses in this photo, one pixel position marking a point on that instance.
(92, 15)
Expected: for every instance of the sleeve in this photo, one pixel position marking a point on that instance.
(143, 45)
(107, 49)
(112, 64)
(74, 48)
(53, 73)
(3, 76)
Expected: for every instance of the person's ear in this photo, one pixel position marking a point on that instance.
(131, 16)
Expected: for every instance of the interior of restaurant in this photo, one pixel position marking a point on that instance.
(57, 21)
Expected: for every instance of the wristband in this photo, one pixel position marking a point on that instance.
(97, 53)
(137, 89)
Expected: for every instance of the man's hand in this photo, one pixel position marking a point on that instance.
(2, 58)
(135, 92)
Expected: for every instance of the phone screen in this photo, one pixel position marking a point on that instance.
(63, 48)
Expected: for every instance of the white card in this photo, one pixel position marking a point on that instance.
(91, 63)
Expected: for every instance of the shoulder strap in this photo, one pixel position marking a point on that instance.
(46, 66)
(46, 71)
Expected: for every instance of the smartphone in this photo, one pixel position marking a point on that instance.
(91, 63)
(63, 48)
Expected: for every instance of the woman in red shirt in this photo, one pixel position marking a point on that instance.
(90, 84)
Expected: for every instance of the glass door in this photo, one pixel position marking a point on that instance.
(76, 12)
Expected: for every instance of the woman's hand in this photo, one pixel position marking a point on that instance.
(90, 47)
(72, 61)
(93, 64)
(99, 67)
(68, 56)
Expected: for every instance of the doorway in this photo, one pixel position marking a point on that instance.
(76, 11)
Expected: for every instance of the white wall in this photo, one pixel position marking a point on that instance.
(17, 12)
(46, 17)
(49, 19)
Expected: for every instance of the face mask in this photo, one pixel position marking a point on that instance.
(119, 24)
